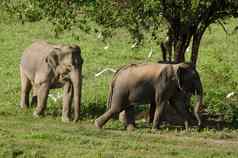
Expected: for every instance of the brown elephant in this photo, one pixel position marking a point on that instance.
(155, 84)
(46, 66)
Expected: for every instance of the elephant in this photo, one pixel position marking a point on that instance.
(179, 100)
(156, 84)
(46, 66)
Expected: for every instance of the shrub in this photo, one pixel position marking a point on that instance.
(23, 10)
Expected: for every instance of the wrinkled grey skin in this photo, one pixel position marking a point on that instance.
(46, 66)
(155, 84)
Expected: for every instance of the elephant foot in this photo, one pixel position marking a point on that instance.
(97, 124)
(130, 127)
(154, 130)
(24, 107)
(65, 119)
(186, 125)
(200, 127)
(36, 114)
(122, 117)
(75, 120)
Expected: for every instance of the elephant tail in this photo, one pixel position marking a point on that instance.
(109, 100)
(114, 78)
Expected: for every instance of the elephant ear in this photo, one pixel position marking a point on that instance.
(180, 74)
(186, 77)
(53, 59)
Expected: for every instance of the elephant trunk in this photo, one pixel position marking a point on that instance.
(199, 102)
(76, 79)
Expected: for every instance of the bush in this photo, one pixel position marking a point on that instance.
(62, 14)
(23, 10)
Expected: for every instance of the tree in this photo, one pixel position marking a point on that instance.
(62, 14)
(186, 21)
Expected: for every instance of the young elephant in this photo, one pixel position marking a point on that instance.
(180, 102)
(47, 66)
(156, 84)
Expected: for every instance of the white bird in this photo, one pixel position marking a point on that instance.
(134, 45)
(106, 47)
(229, 95)
(104, 70)
(99, 35)
(150, 53)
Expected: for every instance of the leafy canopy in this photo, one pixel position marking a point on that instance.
(186, 20)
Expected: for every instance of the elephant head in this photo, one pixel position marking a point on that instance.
(62, 60)
(65, 63)
(189, 82)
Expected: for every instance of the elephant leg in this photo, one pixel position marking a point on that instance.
(152, 111)
(25, 90)
(99, 122)
(43, 92)
(198, 117)
(34, 97)
(130, 118)
(122, 118)
(118, 100)
(158, 114)
(116, 107)
(182, 111)
(67, 101)
(127, 116)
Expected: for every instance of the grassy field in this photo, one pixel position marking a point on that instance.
(23, 136)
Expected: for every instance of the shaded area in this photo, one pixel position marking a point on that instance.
(89, 111)
(211, 121)
(173, 120)
(170, 119)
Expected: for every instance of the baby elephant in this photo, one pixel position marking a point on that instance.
(155, 84)
(47, 66)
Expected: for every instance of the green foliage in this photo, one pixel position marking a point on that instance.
(23, 10)
(141, 15)
(135, 16)
(219, 73)
(186, 20)
(63, 15)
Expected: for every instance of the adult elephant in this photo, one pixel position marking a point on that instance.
(47, 66)
(155, 84)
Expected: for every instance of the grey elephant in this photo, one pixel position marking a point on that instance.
(155, 84)
(179, 100)
(46, 66)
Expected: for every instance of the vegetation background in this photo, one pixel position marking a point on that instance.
(21, 135)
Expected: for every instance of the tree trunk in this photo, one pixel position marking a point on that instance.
(177, 47)
(179, 51)
(196, 44)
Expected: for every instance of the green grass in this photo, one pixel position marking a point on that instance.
(21, 135)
